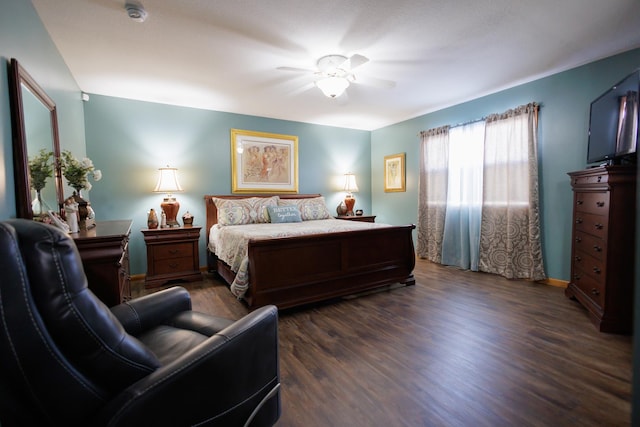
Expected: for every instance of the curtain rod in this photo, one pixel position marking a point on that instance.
(535, 104)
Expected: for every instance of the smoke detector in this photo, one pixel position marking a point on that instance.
(136, 11)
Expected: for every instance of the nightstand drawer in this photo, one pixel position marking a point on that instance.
(173, 265)
(173, 250)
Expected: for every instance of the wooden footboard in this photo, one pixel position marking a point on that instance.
(293, 271)
(299, 270)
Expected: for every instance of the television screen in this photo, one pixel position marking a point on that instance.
(613, 121)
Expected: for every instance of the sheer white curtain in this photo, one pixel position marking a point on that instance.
(478, 205)
(432, 190)
(461, 239)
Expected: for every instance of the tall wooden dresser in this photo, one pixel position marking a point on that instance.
(602, 250)
(104, 251)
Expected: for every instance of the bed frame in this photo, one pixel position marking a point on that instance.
(293, 271)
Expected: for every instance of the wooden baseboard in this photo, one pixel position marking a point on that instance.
(555, 282)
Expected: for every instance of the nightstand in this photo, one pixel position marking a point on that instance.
(172, 255)
(362, 218)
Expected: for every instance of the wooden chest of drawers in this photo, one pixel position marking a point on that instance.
(104, 251)
(602, 250)
(172, 255)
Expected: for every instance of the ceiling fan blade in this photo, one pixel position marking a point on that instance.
(297, 70)
(303, 88)
(372, 81)
(355, 61)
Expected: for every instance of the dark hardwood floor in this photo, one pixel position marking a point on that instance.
(456, 349)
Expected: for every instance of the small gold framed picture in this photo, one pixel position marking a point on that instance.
(394, 174)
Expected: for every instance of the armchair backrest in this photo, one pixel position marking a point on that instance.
(61, 348)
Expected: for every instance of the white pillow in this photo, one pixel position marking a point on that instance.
(252, 210)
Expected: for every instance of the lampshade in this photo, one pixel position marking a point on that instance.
(350, 185)
(332, 86)
(168, 181)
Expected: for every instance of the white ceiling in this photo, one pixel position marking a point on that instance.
(224, 54)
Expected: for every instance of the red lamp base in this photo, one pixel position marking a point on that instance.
(170, 207)
(350, 202)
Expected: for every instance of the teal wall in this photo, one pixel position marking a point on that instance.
(563, 127)
(22, 36)
(129, 141)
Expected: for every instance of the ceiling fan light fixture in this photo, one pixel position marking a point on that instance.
(332, 86)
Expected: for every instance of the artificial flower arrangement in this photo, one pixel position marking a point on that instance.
(40, 169)
(77, 171)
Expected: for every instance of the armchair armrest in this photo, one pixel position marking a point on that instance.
(140, 314)
(221, 382)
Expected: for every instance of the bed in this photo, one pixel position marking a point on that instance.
(296, 270)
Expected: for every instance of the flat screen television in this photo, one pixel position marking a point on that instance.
(613, 123)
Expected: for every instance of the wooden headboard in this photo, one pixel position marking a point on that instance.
(212, 212)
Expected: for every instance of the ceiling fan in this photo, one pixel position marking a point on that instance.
(336, 72)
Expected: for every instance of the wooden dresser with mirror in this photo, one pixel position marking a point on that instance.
(104, 248)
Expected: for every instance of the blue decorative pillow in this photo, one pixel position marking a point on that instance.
(279, 214)
(310, 209)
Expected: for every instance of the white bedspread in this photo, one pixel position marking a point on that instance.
(230, 243)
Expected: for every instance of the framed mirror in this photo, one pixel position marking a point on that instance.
(36, 147)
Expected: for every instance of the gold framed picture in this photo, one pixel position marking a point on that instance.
(263, 162)
(394, 174)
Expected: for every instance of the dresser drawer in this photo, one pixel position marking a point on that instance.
(595, 225)
(592, 245)
(593, 202)
(173, 250)
(587, 264)
(594, 289)
(595, 178)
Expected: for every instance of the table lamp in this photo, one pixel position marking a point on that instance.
(168, 183)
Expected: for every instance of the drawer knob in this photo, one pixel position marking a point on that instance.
(598, 226)
(174, 251)
(173, 265)
(595, 292)
(576, 277)
(578, 259)
(599, 204)
(579, 202)
(578, 220)
(597, 248)
(578, 239)
(596, 270)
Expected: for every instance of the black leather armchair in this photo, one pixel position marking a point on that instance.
(66, 359)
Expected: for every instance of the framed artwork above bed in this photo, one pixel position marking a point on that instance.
(263, 162)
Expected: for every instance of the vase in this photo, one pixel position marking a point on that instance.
(341, 209)
(152, 220)
(187, 219)
(36, 204)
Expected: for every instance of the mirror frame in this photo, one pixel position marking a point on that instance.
(19, 77)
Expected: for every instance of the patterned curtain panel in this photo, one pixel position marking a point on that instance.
(432, 191)
(510, 242)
